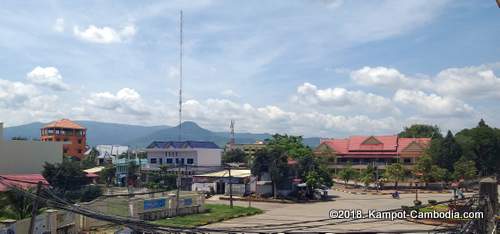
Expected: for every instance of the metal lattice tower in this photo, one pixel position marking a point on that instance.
(180, 78)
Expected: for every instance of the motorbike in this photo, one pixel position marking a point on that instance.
(395, 195)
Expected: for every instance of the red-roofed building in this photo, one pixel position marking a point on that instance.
(73, 135)
(360, 151)
(23, 181)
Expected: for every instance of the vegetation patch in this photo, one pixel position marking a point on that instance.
(214, 213)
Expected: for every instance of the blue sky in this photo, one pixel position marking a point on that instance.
(317, 68)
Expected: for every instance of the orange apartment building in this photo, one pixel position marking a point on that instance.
(73, 135)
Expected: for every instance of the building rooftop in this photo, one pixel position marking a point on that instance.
(237, 173)
(64, 123)
(373, 144)
(182, 144)
(22, 181)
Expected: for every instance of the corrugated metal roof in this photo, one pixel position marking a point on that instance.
(389, 145)
(237, 173)
(183, 144)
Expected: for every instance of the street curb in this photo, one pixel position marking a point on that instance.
(386, 193)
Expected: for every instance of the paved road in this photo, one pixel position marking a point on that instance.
(276, 213)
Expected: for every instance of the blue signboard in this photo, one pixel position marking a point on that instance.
(154, 204)
(188, 201)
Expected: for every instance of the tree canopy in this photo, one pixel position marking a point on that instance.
(234, 156)
(421, 130)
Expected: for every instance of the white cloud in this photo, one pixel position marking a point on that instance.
(15, 94)
(229, 93)
(59, 25)
(386, 77)
(47, 76)
(475, 82)
(105, 35)
(308, 94)
(126, 101)
(432, 104)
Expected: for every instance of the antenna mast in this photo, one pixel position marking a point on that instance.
(180, 79)
(232, 140)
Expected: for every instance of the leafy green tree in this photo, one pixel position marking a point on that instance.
(65, 176)
(234, 156)
(108, 175)
(445, 152)
(132, 169)
(465, 169)
(482, 145)
(347, 173)
(14, 205)
(395, 172)
(273, 159)
(438, 173)
(421, 130)
(313, 180)
(423, 167)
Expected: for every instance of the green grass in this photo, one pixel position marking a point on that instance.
(215, 213)
(439, 208)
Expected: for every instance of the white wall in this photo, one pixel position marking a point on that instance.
(209, 157)
(28, 157)
(202, 157)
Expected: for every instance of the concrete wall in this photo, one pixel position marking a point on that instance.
(209, 157)
(28, 157)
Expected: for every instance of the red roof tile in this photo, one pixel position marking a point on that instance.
(357, 145)
(63, 123)
(23, 181)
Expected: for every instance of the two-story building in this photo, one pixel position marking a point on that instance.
(194, 155)
(380, 151)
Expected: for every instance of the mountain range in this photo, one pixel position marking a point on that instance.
(140, 136)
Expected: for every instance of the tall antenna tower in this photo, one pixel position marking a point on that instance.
(180, 79)
(231, 126)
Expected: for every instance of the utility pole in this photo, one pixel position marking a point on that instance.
(230, 188)
(179, 181)
(488, 200)
(35, 208)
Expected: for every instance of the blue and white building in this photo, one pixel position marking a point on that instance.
(193, 154)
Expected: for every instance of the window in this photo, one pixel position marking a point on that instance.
(65, 151)
(169, 161)
(182, 161)
(79, 151)
(190, 161)
(161, 160)
(153, 161)
(79, 141)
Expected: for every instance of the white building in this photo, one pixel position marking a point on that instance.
(193, 154)
(26, 156)
(110, 152)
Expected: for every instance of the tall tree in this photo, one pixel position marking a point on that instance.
(447, 153)
(65, 176)
(15, 205)
(483, 146)
(421, 130)
(465, 169)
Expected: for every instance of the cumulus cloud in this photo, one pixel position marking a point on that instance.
(469, 82)
(126, 101)
(105, 35)
(47, 76)
(475, 82)
(15, 94)
(386, 77)
(433, 104)
(309, 94)
(59, 25)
